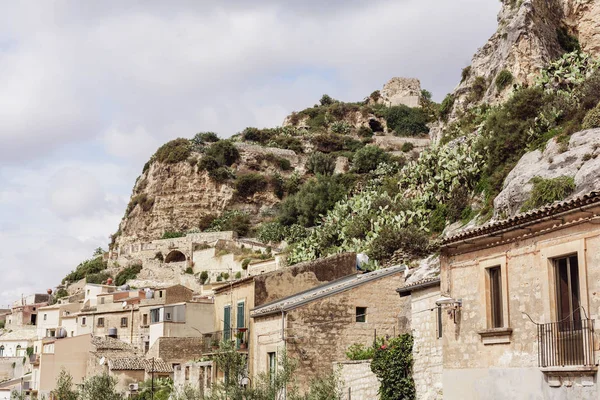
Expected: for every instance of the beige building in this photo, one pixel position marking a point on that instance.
(234, 300)
(50, 318)
(317, 326)
(187, 319)
(522, 301)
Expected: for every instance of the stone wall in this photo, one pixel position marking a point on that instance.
(358, 381)
(477, 367)
(320, 332)
(176, 349)
(303, 276)
(427, 348)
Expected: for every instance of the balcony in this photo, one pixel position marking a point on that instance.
(212, 340)
(567, 344)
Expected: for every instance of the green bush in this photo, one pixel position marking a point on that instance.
(326, 100)
(406, 121)
(271, 232)
(407, 146)
(592, 118)
(88, 267)
(204, 137)
(446, 106)
(503, 79)
(464, 75)
(359, 351)
(392, 363)
(99, 278)
(328, 142)
(127, 274)
(368, 158)
(143, 200)
(376, 95)
(203, 277)
(412, 241)
(249, 184)
(221, 174)
(365, 132)
(174, 151)
(172, 235)
(245, 263)
(315, 197)
(546, 191)
(288, 143)
(478, 89)
(320, 163)
(280, 162)
(258, 135)
(238, 275)
(278, 185)
(189, 270)
(224, 151)
(568, 42)
(236, 221)
(208, 163)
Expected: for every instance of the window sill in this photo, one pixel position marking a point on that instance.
(559, 376)
(495, 335)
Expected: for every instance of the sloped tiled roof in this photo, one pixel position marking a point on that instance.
(426, 282)
(525, 218)
(328, 289)
(139, 364)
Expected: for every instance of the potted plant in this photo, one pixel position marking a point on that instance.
(240, 336)
(214, 344)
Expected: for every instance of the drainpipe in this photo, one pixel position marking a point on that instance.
(131, 334)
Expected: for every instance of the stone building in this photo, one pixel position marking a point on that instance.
(234, 300)
(522, 296)
(317, 326)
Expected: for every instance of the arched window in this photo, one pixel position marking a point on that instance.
(1, 351)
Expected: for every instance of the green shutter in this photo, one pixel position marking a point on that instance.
(240, 315)
(227, 323)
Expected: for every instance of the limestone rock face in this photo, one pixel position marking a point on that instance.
(526, 41)
(580, 160)
(180, 195)
(397, 91)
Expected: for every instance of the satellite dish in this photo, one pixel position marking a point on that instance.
(124, 304)
(102, 361)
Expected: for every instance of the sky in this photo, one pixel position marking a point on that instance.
(90, 89)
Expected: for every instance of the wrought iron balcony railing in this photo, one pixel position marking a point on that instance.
(566, 343)
(212, 341)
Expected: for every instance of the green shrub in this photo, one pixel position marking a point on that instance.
(568, 42)
(278, 185)
(224, 151)
(236, 221)
(392, 363)
(221, 174)
(293, 183)
(280, 162)
(99, 278)
(245, 263)
(238, 275)
(365, 132)
(189, 270)
(376, 95)
(208, 163)
(412, 241)
(328, 142)
(359, 351)
(503, 79)
(464, 75)
(60, 293)
(225, 275)
(249, 184)
(204, 137)
(340, 127)
(143, 200)
(546, 191)
(368, 158)
(127, 274)
(315, 197)
(320, 163)
(174, 151)
(407, 146)
(446, 106)
(172, 235)
(288, 143)
(203, 277)
(438, 218)
(406, 121)
(258, 135)
(326, 100)
(478, 89)
(88, 267)
(219, 278)
(592, 118)
(271, 232)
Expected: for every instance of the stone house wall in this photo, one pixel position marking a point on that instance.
(358, 381)
(427, 347)
(176, 349)
(506, 368)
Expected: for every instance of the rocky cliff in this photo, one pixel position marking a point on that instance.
(530, 34)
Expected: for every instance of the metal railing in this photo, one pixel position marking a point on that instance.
(211, 341)
(566, 343)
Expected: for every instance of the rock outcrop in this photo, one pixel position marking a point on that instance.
(579, 159)
(526, 41)
(401, 91)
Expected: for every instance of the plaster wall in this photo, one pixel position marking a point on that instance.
(358, 381)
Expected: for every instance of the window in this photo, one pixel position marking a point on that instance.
(72, 333)
(124, 322)
(1, 351)
(160, 293)
(155, 315)
(361, 314)
(102, 300)
(145, 319)
(272, 360)
(45, 317)
(187, 373)
(83, 321)
(100, 322)
(146, 347)
(495, 296)
(567, 288)
(439, 322)
(167, 316)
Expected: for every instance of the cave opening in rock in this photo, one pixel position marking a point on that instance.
(175, 256)
(375, 125)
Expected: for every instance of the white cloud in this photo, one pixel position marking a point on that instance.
(89, 93)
